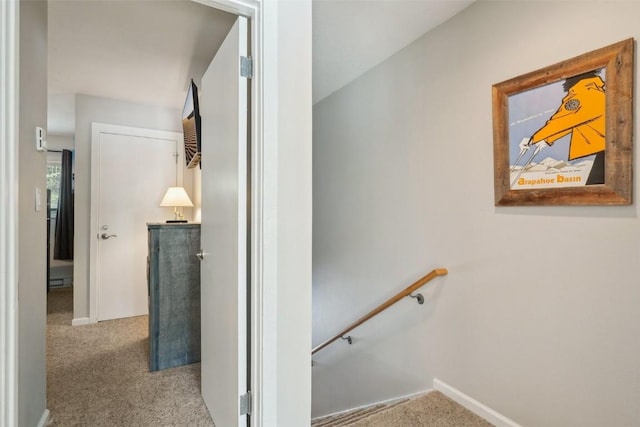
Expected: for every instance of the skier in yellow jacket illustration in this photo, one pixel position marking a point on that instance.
(582, 114)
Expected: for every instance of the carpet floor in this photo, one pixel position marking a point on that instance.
(98, 375)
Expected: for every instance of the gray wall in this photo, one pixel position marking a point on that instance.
(91, 109)
(539, 317)
(32, 226)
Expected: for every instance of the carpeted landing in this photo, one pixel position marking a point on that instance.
(98, 375)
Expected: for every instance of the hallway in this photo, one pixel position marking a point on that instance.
(97, 375)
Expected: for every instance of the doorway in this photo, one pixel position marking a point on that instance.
(91, 109)
(281, 142)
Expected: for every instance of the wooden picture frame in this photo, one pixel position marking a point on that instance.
(582, 106)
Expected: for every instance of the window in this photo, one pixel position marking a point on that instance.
(54, 171)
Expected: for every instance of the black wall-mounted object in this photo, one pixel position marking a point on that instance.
(192, 127)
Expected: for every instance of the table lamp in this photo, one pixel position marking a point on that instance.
(176, 197)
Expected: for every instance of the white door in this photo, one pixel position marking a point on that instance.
(131, 170)
(223, 107)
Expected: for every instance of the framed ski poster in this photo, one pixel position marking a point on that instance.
(563, 135)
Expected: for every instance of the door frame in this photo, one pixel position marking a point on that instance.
(264, 204)
(96, 130)
(9, 49)
(266, 350)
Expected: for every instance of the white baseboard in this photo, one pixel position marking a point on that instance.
(44, 419)
(473, 405)
(80, 321)
(381, 402)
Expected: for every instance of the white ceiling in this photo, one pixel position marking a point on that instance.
(142, 51)
(147, 51)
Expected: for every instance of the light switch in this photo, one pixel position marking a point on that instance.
(41, 144)
(38, 200)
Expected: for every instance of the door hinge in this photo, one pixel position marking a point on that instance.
(246, 67)
(245, 403)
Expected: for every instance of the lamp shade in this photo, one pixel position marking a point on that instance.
(176, 196)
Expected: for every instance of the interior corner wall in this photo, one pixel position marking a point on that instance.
(90, 109)
(539, 317)
(59, 142)
(197, 194)
(32, 225)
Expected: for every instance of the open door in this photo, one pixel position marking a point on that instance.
(224, 233)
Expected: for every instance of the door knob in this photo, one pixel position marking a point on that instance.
(105, 236)
(200, 254)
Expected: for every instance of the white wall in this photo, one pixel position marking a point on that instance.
(539, 317)
(294, 213)
(59, 142)
(32, 225)
(61, 114)
(196, 194)
(91, 109)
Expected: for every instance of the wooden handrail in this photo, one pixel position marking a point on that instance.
(382, 307)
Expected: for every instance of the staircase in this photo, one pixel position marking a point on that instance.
(430, 410)
(433, 409)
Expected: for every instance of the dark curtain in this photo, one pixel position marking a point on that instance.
(63, 248)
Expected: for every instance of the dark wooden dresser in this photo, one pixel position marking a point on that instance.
(174, 295)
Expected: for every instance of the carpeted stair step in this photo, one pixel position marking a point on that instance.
(430, 410)
(339, 419)
(383, 408)
(350, 417)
